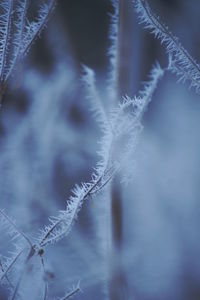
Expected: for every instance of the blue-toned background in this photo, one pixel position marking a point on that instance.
(49, 142)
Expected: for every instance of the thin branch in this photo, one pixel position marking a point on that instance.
(11, 264)
(7, 18)
(35, 29)
(15, 227)
(184, 65)
(74, 291)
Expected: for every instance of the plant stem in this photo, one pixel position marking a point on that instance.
(118, 285)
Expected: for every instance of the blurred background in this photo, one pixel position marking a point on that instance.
(49, 142)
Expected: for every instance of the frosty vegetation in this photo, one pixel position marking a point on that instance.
(25, 262)
(18, 33)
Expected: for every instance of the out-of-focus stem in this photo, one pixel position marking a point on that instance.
(118, 285)
(124, 55)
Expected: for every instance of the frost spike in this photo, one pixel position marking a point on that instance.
(44, 14)
(5, 27)
(17, 230)
(181, 62)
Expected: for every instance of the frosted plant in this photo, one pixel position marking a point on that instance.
(21, 261)
(121, 127)
(75, 289)
(180, 61)
(112, 51)
(24, 250)
(141, 104)
(125, 123)
(17, 34)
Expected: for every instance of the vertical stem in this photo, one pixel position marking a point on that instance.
(118, 290)
(118, 285)
(2, 92)
(124, 55)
